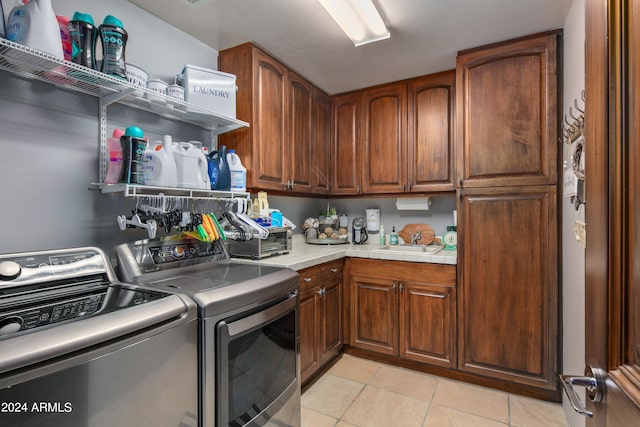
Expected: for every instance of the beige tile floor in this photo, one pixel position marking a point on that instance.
(363, 393)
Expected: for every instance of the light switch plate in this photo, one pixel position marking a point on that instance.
(580, 231)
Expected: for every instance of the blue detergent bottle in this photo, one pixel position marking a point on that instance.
(219, 172)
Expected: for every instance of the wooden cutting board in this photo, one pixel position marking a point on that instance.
(411, 229)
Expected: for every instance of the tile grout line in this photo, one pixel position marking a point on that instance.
(433, 395)
(358, 395)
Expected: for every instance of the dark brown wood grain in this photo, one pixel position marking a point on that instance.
(263, 101)
(384, 165)
(346, 144)
(430, 127)
(507, 129)
(508, 322)
(612, 294)
(299, 153)
(428, 323)
(321, 165)
(321, 310)
(404, 309)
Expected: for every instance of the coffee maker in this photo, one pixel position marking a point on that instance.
(359, 234)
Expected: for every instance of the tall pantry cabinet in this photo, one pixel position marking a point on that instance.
(507, 167)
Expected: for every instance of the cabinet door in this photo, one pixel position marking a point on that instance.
(384, 154)
(331, 321)
(271, 157)
(301, 133)
(428, 323)
(309, 333)
(320, 161)
(507, 113)
(430, 133)
(345, 142)
(508, 260)
(374, 313)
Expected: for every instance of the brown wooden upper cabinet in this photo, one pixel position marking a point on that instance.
(346, 144)
(278, 105)
(321, 160)
(384, 152)
(430, 126)
(506, 115)
(395, 138)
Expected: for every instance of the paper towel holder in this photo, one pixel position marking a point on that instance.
(413, 203)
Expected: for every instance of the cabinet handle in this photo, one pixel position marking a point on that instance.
(320, 292)
(403, 186)
(286, 186)
(334, 270)
(460, 183)
(291, 185)
(394, 287)
(358, 189)
(401, 287)
(307, 279)
(459, 194)
(409, 187)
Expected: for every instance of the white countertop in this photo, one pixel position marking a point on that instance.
(304, 255)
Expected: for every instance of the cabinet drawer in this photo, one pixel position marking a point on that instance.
(309, 278)
(331, 272)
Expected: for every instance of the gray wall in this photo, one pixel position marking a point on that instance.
(572, 253)
(297, 209)
(49, 141)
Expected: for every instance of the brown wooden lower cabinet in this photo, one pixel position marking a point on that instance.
(320, 316)
(404, 309)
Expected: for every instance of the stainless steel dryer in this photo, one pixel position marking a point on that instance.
(249, 359)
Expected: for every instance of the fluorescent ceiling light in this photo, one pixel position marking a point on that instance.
(359, 19)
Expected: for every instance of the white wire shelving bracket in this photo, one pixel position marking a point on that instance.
(36, 65)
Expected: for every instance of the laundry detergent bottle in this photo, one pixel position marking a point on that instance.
(114, 40)
(114, 151)
(35, 25)
(133, 148)
(83, 34)
(238, 172)
(223, 179)
(158, 165)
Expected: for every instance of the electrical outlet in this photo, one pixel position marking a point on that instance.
(580, 231)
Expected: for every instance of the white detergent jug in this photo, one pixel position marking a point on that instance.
(158, 165)
(190, 162)
(203, 170)
(35, 25)
(238, 172)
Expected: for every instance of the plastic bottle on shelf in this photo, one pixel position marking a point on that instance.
(63, 23)
(114, 153)
(3, 29)
(238, 172)
(133, 147)
(159, 164)
(83, 33)
(382, 242)
(35, 25)
(114, 41)
(223, 179)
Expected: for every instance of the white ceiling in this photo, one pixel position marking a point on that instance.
(425, 34)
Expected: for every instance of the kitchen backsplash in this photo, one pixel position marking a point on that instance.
(439, 215)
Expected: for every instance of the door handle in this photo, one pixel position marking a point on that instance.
(593, 380)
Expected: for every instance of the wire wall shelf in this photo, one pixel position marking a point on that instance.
(33, 64)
